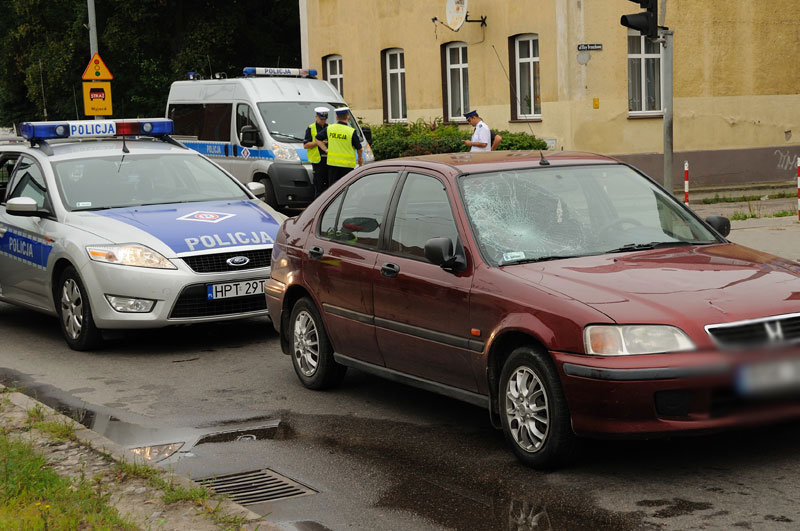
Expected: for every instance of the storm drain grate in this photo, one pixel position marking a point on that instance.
(256, 486)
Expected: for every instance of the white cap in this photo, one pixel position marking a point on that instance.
(322, 110)
(342, 110)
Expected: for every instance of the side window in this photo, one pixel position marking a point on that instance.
(327, 223)
(204, 121)
(244, 116)
(423, 212)
(360, 218)
(7, 162)
(28, 181)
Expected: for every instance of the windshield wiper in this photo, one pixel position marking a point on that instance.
(541, 259)
(653, 245)
(287, 135)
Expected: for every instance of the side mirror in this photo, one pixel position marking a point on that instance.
(250, 136)
(367, 130)
(720, 224)
(23, 206)
(439, 251)
(257, 188)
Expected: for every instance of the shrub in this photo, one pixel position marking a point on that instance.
(425, 138)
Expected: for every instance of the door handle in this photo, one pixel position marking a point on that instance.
(390, 270)
(315, 253)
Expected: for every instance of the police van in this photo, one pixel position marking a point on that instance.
(254, 126)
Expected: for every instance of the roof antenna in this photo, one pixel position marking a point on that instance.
(124, 147)
(543, 161)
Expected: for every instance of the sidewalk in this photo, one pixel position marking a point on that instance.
(108, 465)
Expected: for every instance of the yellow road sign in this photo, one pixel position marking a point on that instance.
(97, 98)
(96, 70)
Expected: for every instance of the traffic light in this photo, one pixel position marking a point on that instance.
(646, 22)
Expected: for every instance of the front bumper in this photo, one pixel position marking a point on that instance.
(292, 183)
(676, 392)
(180, 295)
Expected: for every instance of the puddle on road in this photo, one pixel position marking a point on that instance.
(459, 479)
(133, 435)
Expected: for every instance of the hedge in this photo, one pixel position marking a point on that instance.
(424, 138)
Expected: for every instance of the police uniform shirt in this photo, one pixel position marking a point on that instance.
(320, 131)
(355, 141)
(482, 134)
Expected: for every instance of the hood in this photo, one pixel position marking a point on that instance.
(186, 227)
(689, 287)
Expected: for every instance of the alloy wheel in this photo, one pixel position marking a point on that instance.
(306, 343)
(72, 308)
(527, 410)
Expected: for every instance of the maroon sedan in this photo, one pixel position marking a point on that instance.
(567, 293)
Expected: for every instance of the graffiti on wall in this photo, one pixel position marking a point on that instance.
(786, 159)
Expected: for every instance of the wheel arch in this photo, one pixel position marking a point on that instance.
(294, 293)
(499, 350)
(58, 269)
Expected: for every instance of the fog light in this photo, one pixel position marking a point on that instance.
(130, 304)
(291, 198)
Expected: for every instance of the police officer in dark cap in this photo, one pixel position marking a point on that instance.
(316, 156)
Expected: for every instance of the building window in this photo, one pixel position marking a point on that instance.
(332, 71)
(528, 99)
(456, 81)
(644, 75)
(394, 85)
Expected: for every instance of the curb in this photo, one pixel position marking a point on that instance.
(120, 454)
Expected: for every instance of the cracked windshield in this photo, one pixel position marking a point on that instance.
(549, 213)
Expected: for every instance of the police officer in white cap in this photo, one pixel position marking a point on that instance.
(344, 146)
(317, 157)
(481, 137)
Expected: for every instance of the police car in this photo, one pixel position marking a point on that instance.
(114, 224)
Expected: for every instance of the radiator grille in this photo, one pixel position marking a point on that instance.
(216, 263)
(755, 333)
(193, 302)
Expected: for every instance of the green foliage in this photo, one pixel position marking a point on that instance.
(424, 138)
(33, 496)
(146, 44)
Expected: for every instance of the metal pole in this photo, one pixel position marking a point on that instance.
(667, 101)
(92, 29)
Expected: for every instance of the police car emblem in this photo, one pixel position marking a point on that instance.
(245, 153)
(237, 261)
(206, 217)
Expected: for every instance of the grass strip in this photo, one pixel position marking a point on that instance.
(33, 496)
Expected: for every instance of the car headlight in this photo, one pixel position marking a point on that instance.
(157, 452)
(284, 152)
(130, 254)
(625, 340)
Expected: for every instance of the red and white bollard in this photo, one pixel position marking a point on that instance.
(686, 183)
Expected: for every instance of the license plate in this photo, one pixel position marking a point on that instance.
(770, 377)
(235, 289)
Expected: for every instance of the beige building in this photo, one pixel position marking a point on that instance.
(568, 72)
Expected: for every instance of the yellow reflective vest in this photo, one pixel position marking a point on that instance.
(313, 153)
(340, 146)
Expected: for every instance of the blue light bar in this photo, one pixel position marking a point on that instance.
(96, 128)
(156, 126)
(43, 130)
(278, 72)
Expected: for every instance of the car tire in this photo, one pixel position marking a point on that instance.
(75, 312)
(269, 194)
(311, 352)
(533, 410)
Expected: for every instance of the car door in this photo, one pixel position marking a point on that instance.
(26, 242)
(421, 310)
(339, 262)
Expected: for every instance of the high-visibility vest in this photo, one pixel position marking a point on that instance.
(313, 153)
(340, 146)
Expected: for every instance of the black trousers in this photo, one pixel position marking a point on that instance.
(320, 177)
(336, 172)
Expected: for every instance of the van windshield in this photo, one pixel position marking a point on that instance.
(287, 120)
